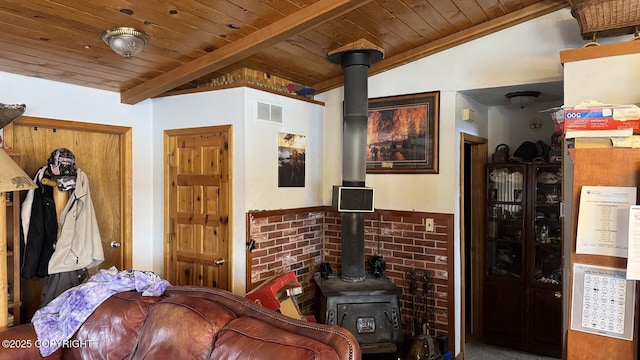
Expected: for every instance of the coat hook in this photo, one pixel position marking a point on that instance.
(251, 244)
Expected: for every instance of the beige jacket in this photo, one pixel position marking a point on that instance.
(79, 244)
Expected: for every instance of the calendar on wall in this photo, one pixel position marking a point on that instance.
(603, 301)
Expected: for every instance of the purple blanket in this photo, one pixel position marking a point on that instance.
(63, 316)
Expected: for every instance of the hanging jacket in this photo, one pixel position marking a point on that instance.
(39, 229)
(79, 245)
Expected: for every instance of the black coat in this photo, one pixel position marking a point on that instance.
(42, 234)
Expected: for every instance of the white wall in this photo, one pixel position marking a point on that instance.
(523, 54)
(526, 53)
(254, 150)
(480, 124)
(300, 118)
(510, 125)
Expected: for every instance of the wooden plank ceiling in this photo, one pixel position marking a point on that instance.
(195, 41)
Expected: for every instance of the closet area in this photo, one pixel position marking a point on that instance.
(102, 154)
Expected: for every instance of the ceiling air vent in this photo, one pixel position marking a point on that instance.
(270, 113)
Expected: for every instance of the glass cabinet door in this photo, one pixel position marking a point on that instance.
(505, 183)
(504, 259)
(522, 256)
(547, 228)
(505, 221)
(547, 265)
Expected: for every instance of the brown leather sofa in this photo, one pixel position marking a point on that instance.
(188, 323)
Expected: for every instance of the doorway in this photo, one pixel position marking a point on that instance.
(473, 157)
(198, 206)
(103, 152)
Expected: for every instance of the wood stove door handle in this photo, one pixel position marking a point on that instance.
(342, 320)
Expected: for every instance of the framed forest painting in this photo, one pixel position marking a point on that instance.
(402, 134)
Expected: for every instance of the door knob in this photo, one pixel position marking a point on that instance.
(115, 244)
(218, 262)
(557, 294)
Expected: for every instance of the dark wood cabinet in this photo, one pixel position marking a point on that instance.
(523, 258)
(505, 303)
(545, 335)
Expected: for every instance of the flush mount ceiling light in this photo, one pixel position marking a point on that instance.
(522, 98)
(125, 41)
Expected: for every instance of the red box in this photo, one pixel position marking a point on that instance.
(600, 119)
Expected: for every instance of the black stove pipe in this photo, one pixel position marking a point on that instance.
(355, 63)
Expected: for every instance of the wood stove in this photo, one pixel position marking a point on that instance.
(365, 305)
(369, 309)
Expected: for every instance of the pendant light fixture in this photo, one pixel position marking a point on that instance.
(125, 41)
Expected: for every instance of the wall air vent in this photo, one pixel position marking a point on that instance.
(269, 113)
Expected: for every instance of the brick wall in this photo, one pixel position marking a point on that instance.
(300, 239)
(401, 238)
(286, 241)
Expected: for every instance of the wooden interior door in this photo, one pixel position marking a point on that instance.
(473, 157)
(197, 206)
(103, 153)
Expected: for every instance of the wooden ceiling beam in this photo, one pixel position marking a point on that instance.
(519, 16)
(304, 19)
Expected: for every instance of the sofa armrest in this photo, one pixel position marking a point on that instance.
(20, 342)
(340, 339)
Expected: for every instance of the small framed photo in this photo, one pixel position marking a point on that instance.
(517, 195)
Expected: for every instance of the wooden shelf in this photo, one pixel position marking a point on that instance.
(12, 252)
(601, 51)
(14, 304)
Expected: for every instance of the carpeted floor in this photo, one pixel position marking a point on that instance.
(476, 350)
